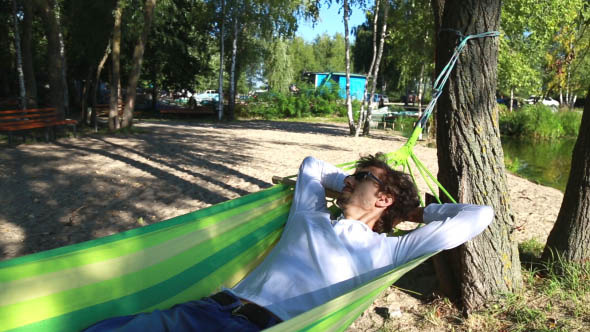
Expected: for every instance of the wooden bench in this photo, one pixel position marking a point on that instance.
(21, 121)
(103, 109)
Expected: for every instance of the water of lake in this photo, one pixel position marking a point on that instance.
(545, 162)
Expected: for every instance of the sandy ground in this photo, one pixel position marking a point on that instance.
(77, 189)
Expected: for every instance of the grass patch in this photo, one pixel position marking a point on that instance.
(555, 297)
(539, 121)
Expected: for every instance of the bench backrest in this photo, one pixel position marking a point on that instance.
(37, 114)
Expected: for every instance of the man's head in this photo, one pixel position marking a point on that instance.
(377, 194)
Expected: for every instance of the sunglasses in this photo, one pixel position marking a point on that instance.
(364, 176)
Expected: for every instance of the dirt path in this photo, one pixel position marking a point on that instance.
(79, 189)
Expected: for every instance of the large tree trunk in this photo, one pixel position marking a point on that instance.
(375, 74)
(114, 123)
(19, 58)
(362, 115)
(221, 35)
(570, 236)
(470, 156)
(347, 52)
(148, 13)
(29, 71)
(232, 86)
(51, 25)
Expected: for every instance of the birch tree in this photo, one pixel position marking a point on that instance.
(362, 114)
(19, 57)
(346, 15)
(375, 73)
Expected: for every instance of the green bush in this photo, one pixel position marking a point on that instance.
(309, 101)
(539, 121)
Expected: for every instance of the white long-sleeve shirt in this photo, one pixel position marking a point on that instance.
(318, 259)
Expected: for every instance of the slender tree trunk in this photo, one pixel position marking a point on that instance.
(114, 122)
(232, 87)
(570, 236)
(221, 35)
(347, 47)
(85, 90)
(420, 90)
(375, 74)
(511, 99)
(55, 64)
(155, 90)
(62, 56)
(19, 58)
(29, 71)
(148, 13)
(470, 156)
(362, 115)
(560, 96)
(96, 85)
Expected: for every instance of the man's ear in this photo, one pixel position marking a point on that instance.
(384, 200)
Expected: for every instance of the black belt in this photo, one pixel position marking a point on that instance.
(251, 311)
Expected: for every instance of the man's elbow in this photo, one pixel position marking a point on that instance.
(485, 216)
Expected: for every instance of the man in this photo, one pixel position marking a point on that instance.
(317, 258)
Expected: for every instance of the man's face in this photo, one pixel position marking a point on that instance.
(361, 194)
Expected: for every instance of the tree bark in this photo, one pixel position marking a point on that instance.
(470, 156)
(148, 13)
(375, 74)
(570, 236)
(347, 52)
(362, 115)
(234, 51)
(19, 58)
(29, 71)
(51, 25)
(114, 123)
(221, 35)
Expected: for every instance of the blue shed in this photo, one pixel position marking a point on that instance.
(357, 83)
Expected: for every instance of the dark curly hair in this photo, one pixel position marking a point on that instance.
(397, 184)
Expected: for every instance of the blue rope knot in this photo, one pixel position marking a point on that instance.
(442, 78)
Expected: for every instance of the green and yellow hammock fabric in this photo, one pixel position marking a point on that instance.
(177, 260)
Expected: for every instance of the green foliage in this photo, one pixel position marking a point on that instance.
(279, 72)
(539, 121)
(323, 101)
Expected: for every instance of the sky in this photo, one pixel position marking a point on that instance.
(330, 22)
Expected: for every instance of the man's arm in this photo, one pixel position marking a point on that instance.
(447, 226)
(313, 178)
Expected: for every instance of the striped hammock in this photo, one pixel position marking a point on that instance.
(174, 261)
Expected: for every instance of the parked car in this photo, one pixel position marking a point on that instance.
(545, 101)
(550, 102)
(207, 96)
